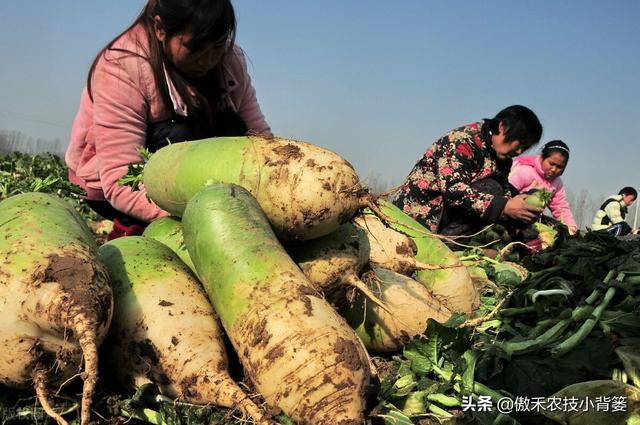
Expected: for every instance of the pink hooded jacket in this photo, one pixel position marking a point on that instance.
(526, 173)
(108, 132)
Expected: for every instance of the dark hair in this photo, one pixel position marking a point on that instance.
(556, 146)
(628, 190)
(520, 123)
(208, 21)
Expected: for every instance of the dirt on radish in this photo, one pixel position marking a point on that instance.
(305, 191)
(298, 352)
(55, 298)
(164, 329)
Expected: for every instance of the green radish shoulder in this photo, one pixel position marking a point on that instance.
(294, 347)
(305, 191)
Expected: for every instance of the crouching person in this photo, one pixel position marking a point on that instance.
(460, 184)
(610, 217)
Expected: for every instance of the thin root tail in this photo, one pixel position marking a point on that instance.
(355, 282)
(87, 338)
(39, 376)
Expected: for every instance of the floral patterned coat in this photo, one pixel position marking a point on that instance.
(442, 178)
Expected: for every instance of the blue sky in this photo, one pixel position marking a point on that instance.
(376, 81)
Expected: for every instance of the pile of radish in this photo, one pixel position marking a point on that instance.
(271, 245)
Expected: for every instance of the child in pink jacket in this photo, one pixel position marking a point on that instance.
(174, 75)
(543, 172)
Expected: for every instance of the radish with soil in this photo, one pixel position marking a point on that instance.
(389, 249)
(298, 352)
(164, 329)
(55, 298)
(332, 263)
(437, 267)
(408, 305)
(305, 191)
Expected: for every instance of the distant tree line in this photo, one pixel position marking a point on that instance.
(583, 206)
(17, 141)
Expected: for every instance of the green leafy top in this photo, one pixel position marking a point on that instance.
(46, 173)
(135, 172)
(539, 198)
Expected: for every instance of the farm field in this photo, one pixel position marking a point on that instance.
(549, 338)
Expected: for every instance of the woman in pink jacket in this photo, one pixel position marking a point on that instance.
(543, 172)
(174, 75)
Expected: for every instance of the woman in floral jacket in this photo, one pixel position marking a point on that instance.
(465, 173)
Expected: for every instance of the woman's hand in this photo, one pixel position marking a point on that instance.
(517, 209)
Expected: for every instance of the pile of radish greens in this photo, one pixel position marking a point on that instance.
(574, 323)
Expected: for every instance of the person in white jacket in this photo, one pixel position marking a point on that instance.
(610, 217)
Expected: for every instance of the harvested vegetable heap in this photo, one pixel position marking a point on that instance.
(281, 292)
